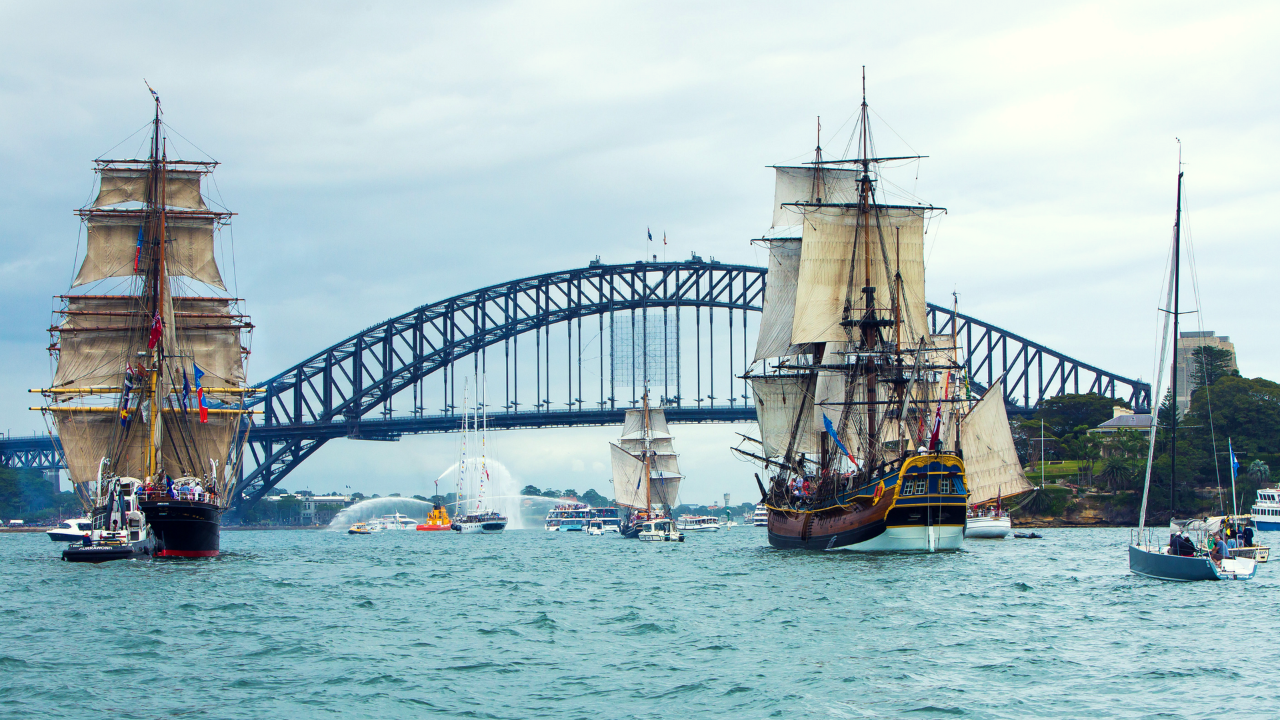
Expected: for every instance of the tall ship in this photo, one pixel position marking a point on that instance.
(148, 391)
(646, 474)
(858, 404)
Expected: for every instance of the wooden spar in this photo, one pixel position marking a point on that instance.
(108, 390)
(125, 328)
(184, 298)
(166, 411)
(867, 160)
(648, 475)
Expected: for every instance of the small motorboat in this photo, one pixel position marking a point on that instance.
(359, 529)
(106, 545)
(1028, 536)
(660, 531)
(72, 530)
(595, 527)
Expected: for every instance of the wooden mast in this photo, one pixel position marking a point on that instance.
(648, 474)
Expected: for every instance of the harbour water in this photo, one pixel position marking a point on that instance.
(531, 624)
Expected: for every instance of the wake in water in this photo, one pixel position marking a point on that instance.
(366, 510)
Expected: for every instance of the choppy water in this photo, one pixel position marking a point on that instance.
(533, 624)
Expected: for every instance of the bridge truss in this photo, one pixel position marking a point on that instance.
(686, 327)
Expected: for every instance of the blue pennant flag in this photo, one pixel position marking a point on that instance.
(649, 233)
(1235, 464)
(832, 432)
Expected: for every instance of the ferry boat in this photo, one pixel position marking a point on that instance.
(610, 517)
(72, 530)
(759, 518)
(359, 529)
(570, 517)
(394, 521)
(698, 523)
(488, 522)
(1266, 509)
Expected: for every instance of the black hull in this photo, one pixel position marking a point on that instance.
(183, 528)
(107, 553)
(830, 541)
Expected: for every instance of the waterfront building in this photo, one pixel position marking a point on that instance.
(1123, 418)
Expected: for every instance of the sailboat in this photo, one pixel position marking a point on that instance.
(646, 473)
(478, 518)
(148, 392)
(851, 388)
(993, 470)
(1179, 560)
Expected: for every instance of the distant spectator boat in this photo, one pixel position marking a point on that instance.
(1266, 509)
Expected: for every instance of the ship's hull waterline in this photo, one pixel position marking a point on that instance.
(924, 522)
(184, 528)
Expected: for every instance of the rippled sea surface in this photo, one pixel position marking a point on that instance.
(530, 624)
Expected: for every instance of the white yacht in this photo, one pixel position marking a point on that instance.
(395, 521)
(595, 527)
(698, 523)
(760, 518)
(660, 530)
(1266, 510)
(486, 522)
(72, 530)
(990, 524)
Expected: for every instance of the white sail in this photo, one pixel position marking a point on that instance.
(633, 424)
(629, 481)
(780, 399)
(823, 286)
(779, 309)
(990, 460)
(112, 245)
(120, 185)
(797, 185)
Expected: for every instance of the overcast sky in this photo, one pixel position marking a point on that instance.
(396, 154)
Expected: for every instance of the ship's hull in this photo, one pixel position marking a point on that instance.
(924, 519)
(183, 528)
(988, 528)
(491, 527)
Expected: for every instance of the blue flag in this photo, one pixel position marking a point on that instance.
(832, 432)
(195, 370)
(186, 389)
(649, 233)
(1235, 464)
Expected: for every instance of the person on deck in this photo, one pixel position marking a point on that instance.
(1219, 550)
(1246, 536)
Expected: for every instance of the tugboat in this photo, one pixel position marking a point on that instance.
(119, 531)
(437, 520)
(148, 394)
(645, 471)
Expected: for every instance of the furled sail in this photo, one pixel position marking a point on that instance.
(807, 185)
(780, 400)
(779, 309)
(830, 238)
(113, 242)
(629, 481)
(991, 462)
(120, 185)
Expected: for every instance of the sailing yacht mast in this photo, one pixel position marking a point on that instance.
(1177, 277)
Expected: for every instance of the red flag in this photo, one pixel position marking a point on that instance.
(937, 428)
(204, 411)
(156, 326)
(664, 238)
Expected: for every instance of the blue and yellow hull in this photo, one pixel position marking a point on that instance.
(920, 507)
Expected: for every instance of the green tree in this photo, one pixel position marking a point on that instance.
(421, 498)
(570, 493)
(1064, 413)
(551, 493)
(1084, 448)
(1209, 363)
(1259, 472)
(595, 499)
(531, 490)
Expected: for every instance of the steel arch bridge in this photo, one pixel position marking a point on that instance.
(421, 358)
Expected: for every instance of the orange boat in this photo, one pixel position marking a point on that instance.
(437, 520)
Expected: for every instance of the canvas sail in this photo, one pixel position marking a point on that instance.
(633, 424)
(807, 185)
(780, 400)
(991, 462)
(629, 481)
(113, 241)
(120, 185)
(830, 238)
(778, 313)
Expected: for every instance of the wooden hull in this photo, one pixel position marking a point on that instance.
(927, 521)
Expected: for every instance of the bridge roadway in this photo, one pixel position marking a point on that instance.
(347, 390)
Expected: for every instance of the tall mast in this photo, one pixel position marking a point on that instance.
(869, 326)
(155, 287)
(1177, 269)
(648, 474)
